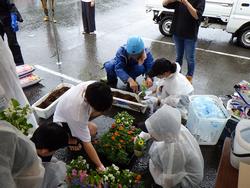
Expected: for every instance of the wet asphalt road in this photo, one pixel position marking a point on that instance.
(220, 64)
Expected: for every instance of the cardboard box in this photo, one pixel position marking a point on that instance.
(244, 180)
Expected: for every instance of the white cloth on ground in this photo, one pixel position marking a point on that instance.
(175, 156)
(19, 164)
(74, 110)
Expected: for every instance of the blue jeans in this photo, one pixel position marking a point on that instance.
(188, 46)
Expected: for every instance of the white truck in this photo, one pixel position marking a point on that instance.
(232, 16)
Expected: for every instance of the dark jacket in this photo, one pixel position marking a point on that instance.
(184, 24)
(6, 8)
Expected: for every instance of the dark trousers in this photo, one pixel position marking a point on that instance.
(88, 17)
(5, 28)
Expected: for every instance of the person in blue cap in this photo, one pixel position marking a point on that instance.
(131, 61)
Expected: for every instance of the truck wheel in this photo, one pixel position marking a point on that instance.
(243, 38)
(164, 26)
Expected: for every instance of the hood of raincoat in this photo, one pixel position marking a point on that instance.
(175, 158)
(19, 164)
(164, 124)
(176, 84)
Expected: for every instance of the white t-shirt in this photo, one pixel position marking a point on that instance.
(75, 111)
(86, 0)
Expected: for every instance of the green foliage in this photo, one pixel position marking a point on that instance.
(17, 116)
(117, 145)
(139, 144)
(80, 176)
(124, 118)
(77, 164)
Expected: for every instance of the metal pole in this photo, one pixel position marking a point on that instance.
(51, 15)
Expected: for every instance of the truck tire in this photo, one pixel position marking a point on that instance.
(243, 37)
(164, 26)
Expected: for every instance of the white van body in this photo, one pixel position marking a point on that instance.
(230, 15)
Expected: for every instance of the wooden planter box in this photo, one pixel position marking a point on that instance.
(48, 111)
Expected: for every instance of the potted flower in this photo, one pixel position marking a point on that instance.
(17, 116)
(139, 146)
(77, 172)
(80, 176)
(117, 144)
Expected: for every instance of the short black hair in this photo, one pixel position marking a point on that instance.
(161, 66)
(99, 96)
(50, 136)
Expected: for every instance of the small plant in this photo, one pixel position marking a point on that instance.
(17, 116)
(124, 118)
(139, 146)
(117, 144)
(143, 90)
(79, 176)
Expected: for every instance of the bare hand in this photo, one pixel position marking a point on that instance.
(92, 3)
(148, 82)
(133, 85)
(101, 168)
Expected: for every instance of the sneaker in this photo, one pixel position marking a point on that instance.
(54, 20)
(190, 78)
(92, 33)
(46, 18)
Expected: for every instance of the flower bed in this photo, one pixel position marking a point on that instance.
(80, 175)
(117, 145)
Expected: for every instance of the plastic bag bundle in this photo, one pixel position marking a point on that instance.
(206, 107)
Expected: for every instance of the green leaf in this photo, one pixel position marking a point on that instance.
(15, 103)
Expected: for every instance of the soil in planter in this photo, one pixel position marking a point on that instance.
(52, 97)
(124, 96)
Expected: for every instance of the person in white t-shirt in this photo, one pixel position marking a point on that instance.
(74, 110)
(88, 16)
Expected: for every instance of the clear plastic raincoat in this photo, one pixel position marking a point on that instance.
(9, 83)
(175, 156)
(19, 164)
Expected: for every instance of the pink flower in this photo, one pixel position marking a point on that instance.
(74, 172)
(83, 175)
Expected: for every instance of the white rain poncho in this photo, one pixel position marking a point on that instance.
(9, 83)
(175, 156)
(55, 173)
(20, 167)
(173, 87)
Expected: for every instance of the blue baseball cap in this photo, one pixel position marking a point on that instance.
(135, 45)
